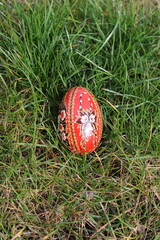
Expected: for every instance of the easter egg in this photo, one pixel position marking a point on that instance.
(80, 121)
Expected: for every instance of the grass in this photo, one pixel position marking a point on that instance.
(112, 49)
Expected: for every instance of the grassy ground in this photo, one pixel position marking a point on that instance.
(113, 50)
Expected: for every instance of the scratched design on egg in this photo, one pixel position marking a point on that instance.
(80, 121)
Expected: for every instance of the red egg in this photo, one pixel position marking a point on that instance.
(80, 121)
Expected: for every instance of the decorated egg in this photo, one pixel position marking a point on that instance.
(80, 121)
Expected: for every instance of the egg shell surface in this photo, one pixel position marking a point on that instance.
(80, 121)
